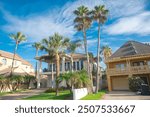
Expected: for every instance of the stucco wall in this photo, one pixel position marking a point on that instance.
(79, 93)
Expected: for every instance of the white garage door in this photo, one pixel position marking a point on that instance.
(120, 84)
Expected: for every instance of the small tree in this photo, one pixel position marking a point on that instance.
(16, 81)
(2, 83)
(28, 79)
(135, 83)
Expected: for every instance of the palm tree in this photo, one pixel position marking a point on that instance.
(55, 45)
(82, 23)
(37, 46)
(99, 14)
(19, 37)
(106, 51)
(73, 45)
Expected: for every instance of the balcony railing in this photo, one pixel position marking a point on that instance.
(129, 70)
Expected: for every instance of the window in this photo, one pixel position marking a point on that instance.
(78, 68)
(68, 64)
(50, 67)
(81, 64)
(141, 63)
(61, 67)
(148, 63)
(74, 66)
(4, 61)
(54, 67)
(120, 66)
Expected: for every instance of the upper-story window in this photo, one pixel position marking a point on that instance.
(54, 67)
(141, 63)
(120, 66)
(148, 63)
(81, 64)
(78, 67)
(74, 65)
(4, 61)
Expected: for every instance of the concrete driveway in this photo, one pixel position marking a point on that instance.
(24, 94)
(124, 95)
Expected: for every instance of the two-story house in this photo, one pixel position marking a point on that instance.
(21, 66)
(46, 77)
(131, 59)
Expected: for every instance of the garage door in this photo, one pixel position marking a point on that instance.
(120, 84)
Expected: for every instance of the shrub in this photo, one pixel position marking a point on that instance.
(135, 83)
(51, 90)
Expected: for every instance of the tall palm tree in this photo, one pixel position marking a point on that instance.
(37, 46)
(19, 37)
(99, 14)
(73, 45)
(106, 51)
(55, 45)
(82, 23)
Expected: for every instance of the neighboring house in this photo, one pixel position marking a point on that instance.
(21, 66)
(47, 75)
(131, 59)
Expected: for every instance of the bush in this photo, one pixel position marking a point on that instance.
(135, 83)
(51, 90)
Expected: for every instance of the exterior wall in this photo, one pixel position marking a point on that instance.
(79, 93)
(51, 73)
(130, 69)
(17, 63)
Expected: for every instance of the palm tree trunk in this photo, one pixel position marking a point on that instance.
(36, 65)
(98, 60)
(86, 50)
(57, 72)
(13, 58)
(88, 62)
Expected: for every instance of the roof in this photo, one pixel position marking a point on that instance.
(67, 56)
(17, 57)
(131, 48)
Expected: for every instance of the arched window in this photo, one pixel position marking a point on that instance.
(4, 61)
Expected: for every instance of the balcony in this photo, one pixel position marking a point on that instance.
(129, 70)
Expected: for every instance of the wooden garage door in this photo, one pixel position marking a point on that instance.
(120, 84)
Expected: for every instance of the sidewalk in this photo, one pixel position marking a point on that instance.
(24, 94)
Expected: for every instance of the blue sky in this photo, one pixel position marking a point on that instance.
(38, 19)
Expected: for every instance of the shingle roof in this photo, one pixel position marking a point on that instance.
(17, 57)
(131, 48)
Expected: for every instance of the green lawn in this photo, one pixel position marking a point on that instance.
(63, 95)
(93, 96)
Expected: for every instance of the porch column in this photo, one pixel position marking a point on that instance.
(109, 83)
(79, 65)
(38, 74)
(76, 65)
(63, 64)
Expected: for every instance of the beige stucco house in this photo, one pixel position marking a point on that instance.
(46, 77)
(21, 66)
(131, 59)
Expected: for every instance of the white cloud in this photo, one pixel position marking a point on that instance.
(137, 24)
(40, 26)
